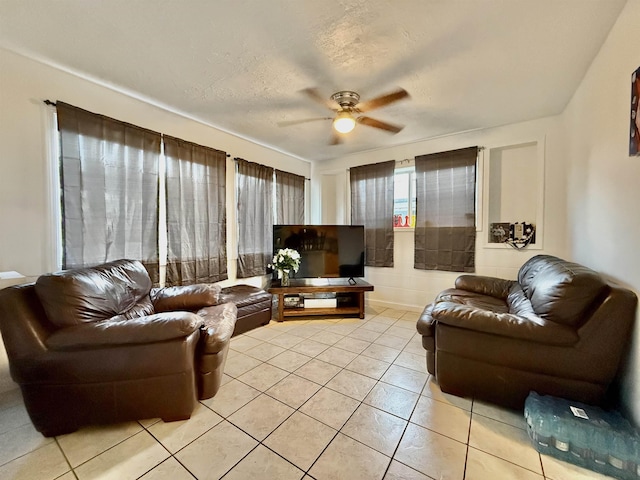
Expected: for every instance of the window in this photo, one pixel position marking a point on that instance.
(109, 190)
(445, 232)
(264, 196)
(371, 205)
(289, 206)
(111, 177)
(195, 213)
(127, 192)
(255, 217)
(404, 198)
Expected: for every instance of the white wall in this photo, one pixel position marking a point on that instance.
(24, 195)
(404, 287)
(603, 191)
(512, 188)
(26, 243)
(592, 192)
(591, 185)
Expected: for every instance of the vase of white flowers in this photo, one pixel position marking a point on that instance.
(285, 260)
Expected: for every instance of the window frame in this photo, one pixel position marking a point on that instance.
(403, 168)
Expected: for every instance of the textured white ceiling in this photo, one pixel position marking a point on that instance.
(240, 65)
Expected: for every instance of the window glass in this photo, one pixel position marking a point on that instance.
(404, 204)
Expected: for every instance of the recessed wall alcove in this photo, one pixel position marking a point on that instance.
(514, 188)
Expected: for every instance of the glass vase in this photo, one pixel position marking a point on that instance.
(285, 281)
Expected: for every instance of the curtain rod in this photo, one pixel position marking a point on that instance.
(49, 102)
(53, 104)
(240, 158)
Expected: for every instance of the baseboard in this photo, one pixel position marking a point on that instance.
(393, 305)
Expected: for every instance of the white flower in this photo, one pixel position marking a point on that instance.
(286, 259)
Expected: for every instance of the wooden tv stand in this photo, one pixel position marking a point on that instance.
(352, 294)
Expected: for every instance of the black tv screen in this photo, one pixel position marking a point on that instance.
(325, 250)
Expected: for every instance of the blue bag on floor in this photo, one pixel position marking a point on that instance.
(602, 441)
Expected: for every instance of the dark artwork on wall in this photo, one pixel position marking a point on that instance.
(634, 131)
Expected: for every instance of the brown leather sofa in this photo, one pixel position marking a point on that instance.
(97, 345)
(560, 330)
(254, 306)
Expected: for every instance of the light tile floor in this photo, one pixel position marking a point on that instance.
(304, 399)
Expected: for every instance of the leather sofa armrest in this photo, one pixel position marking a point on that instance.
(117, 331)
(529, 328)
(219, 323)
(426, 322)
(492, 286)
(185, 297)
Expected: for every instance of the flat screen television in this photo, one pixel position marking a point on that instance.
(327, 251)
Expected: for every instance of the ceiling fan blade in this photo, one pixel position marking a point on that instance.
(336, 139)
(314, 95)
(372, 122)
(288, 123)
(382, 100)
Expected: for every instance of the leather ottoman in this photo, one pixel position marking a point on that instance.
(253, 303)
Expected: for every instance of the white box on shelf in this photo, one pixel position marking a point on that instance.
(320, 303)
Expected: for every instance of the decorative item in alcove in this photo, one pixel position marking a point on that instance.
(499, 232)
(634, 130)
(285, 260)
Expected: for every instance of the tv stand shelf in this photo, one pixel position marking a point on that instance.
(325, 285)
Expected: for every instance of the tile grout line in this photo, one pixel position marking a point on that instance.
(466, 453)
(402, 436)
(378, 381)
(504, 459)
(295, 410)
(65, 457)
(338, 431)
(261, 442)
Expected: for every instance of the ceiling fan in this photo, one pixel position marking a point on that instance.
(347, 107)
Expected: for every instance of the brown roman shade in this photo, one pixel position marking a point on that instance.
(445, 231)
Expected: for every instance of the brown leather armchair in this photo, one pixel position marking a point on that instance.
(97, 345)
(560, 330)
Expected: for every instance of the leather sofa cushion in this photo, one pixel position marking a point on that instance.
(185, 297)
(530, 328)
(246, 297)
(472, 299)
(118, 331)
(491, 286)
(72, 297)
(560, 291)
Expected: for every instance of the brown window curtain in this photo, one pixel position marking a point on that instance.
(289, 198)
(196, 213)
(372, 206)
(109, 184)
(445, 233)
(255, 218)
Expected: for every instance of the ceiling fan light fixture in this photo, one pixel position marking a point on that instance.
(344, 122)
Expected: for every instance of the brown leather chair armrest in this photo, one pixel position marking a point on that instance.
(492, 286)
(426, 322)
(529, 328)
(117, 331)
(219, 323)
(185, 297)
